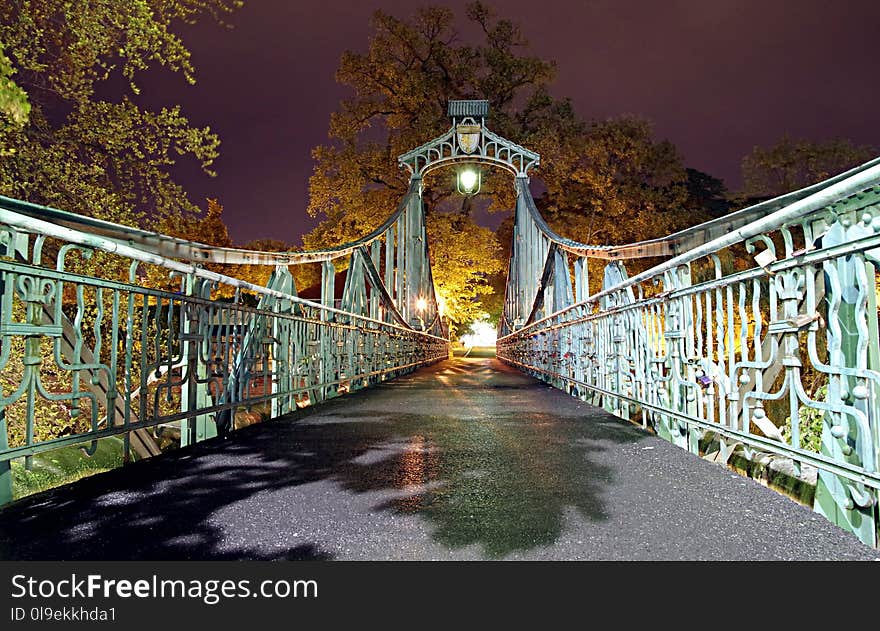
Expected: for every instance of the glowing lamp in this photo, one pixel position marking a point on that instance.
(468, 182)
(421, 304)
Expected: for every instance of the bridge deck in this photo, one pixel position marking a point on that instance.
(463, 460)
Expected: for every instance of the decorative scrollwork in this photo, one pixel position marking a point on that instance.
(33, 289)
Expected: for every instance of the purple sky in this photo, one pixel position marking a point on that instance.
(715, 76)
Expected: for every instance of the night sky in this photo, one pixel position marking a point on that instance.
(716, 77)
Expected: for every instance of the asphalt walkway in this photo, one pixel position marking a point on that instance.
(467, 459)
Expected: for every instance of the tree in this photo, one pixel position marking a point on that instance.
(616, 184)
(791, 164)
(104, 158)
(619, 185)
(62, 146)
(465, 256)
(401, 87)
(14, 105)
(605, 182)
(706, 193)
(304, 274)
(210, 229)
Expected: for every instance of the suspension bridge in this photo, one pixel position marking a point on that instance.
(609, 425)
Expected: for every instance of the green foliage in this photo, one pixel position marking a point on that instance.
(619, 185)
(464, 255)
(810, 421)
(608, 182)
(65, 465)
(109, 159)
(792, 164)
(14, 105)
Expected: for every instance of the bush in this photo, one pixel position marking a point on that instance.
(810, 422)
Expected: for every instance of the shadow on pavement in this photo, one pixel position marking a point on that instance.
(502, 481)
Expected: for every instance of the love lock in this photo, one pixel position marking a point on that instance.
(805, 319)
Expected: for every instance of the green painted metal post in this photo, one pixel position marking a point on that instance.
(614, 274)
(675, 322)
(562, 291)
(581, 287)
(281, 331)
(14, 245)
(375, 256)
(852, 341)
(328, 299)
(400, 295)
(353, 301)
(413, 261)
(389, 267)
(5, 465)
(194, 396)
(688, 406)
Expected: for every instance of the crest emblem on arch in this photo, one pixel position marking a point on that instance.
(469, 140)
(468, 137)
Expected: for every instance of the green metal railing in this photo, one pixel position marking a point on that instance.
(109, 330)
(756, 340)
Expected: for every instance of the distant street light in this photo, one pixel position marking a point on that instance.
(421, 305)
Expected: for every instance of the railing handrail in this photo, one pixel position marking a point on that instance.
(193, 251)
(823, 194)
(71, 235)
(688, 238)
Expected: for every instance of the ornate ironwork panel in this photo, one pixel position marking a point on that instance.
(104, 335)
